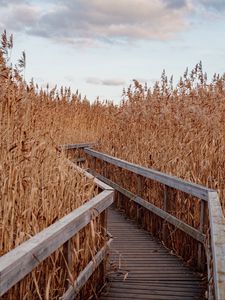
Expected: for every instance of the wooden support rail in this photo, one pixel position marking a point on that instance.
(74, 289)
(193, 189)
(217, 229)
(98, 182)
(77, 146)
(19, 262)
(194, 233)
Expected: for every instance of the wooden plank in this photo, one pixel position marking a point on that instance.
(136, 278)
(83, 277)
(163, 287)
(217, 232)
(194, 233)
(171, 181)
(77, 146)
(98, 182)
(126, 295)
(19, 262)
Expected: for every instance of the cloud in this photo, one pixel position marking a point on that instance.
(93, 80)
(107, 82)
(69, 78)
(216, 5)
(90, 22)
(9, 2)
(113, 82)
(176, 4)
(112, 20)
(18, 16)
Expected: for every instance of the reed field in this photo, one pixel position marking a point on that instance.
(178, 129)
(37, 185)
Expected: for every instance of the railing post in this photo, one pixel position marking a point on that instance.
(67, 254)
(104, 221)
(165, 208)
(94, 163)
(105, 169)
(140, 191)
(201, 229)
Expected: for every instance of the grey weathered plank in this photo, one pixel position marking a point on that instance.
(217, 228)
(194, 233)
(83, 277)
(203, 208)
(77, 146)
(17, 263)
(191, 188)
(98, 182)
(165, 208)
(134, 277)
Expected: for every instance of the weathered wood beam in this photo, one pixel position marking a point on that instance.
(194, 233)
(19, 262)
(98, 182)
(217, 230)
(77, 146)
(193, 189)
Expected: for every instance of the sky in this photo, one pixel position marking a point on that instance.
(100, 46)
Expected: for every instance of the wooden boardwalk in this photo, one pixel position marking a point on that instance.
(141, 268)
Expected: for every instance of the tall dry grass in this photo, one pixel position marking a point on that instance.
(178, 130)
(37, 186)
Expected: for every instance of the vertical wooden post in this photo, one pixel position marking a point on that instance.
(201, 229)
(103, 265)
(140, 192)
(87, 160)
(209, 259)
(165, 208)
(139, 185)
(67, 253)
(95, 164)
(105, 172)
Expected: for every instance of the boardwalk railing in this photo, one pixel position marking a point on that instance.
(209, 205)
(19, 262)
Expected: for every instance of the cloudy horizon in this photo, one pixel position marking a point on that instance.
(98, 47)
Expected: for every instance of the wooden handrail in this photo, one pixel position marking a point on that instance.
(193, 189)
(19, 262)
(191, 231)
(98, 182)
(217, 229)
(77, 146)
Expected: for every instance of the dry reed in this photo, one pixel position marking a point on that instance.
(37, 186)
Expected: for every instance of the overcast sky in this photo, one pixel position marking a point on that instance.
(99, 46)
